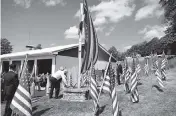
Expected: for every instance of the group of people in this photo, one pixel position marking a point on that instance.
(41, 80)
(10, 82)
(57, 80)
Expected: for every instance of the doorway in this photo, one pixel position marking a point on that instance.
(44, 66)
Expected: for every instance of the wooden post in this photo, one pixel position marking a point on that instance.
(80, 46)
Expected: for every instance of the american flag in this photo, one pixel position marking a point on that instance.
(106, 84)
(158, 75)
(115, 104)
(22, 97)
(133, 88)
(91, 41)
(163, 66)
(93, 87)
(138, 67)
(127, 75)
(164, 60)
(146, 67)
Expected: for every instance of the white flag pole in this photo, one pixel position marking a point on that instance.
(80, 46)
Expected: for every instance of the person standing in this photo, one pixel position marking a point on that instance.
(56, 79)
(119, 72)
(10, 85)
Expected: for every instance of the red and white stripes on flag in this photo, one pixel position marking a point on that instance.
(163, 63)
(93, 86)
(134, 82)
(133, 90)
(146, 67)
(22, 97)
(91, 41)
(159, 78)
(106, 84)
(163, 66)
(138, 67)
(127, 78)
(115, 104)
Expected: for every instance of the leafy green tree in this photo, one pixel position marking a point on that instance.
(116, 54)
(114, 51)
(6, 46)
(170, 15)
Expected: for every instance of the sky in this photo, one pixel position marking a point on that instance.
(119, 23)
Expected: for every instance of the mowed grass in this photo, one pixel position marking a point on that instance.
(154, 101)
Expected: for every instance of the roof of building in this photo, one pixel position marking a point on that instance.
(38, 51)
(45, 51)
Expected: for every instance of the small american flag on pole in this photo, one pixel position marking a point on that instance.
(127, 78)
(106, 84)
(146, 67)
(138, 67)
(115, 104)
(93, 87)
(22, 97)
(134, 82)
(158, 74)
(163, 66)
(127, 75)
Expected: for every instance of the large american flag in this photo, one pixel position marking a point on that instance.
(115, 104)
(134, 82)
(22, 97)
(91, 41)
(93, 86)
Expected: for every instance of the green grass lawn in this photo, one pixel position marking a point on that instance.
(153, 101)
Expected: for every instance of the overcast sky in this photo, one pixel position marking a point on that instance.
(119, 23)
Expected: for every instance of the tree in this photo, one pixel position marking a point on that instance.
(116, 54)
(6, 46)
(114, 51)
(170, 15)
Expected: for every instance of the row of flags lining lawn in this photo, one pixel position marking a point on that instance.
(22, 98)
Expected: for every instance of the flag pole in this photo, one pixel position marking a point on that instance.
(23, 65)
(80, 46)
(104, 78)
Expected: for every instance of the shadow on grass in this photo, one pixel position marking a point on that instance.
(100, 110)
(34, 108)
(139, 83)
(39, 113)
(158, 88)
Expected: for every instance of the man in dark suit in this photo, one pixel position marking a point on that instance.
(10, 85)
(119, 72)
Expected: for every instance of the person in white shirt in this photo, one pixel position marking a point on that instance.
(56, 79)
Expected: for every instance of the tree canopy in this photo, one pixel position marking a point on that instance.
(6, 46)
(170, 15)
